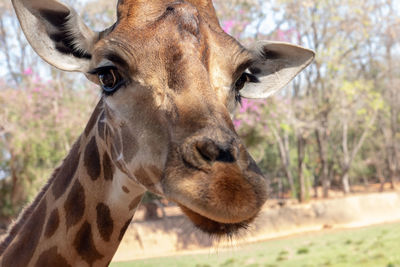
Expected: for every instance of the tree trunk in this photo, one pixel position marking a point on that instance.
(381, 176)
(393, 180)
(15, 196)
(150, 213)
(346, 157)
(283, 145)
(392, 162)
(300, 160)
(346, 183)
(324, 175)
(316, 180)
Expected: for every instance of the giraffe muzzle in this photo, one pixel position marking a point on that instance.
(215, 182)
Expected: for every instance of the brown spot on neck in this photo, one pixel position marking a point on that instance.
(52, 224)
(23, 248)
(143, 177)
(75, 204)
(104, 221)
(149, 177)
(92, 159)
(51, 257)
(108, 167)
(125, 189)
(66, 172)
(84, 244)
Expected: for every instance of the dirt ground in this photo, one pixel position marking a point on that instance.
(175, 235)
(357, 190)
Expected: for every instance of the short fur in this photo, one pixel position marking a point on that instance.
(162, 125)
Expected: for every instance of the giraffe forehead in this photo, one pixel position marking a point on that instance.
(175, 49)
(143, 25)
(142, 8)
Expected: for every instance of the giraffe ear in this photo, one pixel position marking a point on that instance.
(56, 33)
(275, 65)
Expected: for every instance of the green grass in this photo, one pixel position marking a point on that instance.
(374, 246)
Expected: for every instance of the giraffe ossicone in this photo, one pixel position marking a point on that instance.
(170, 78)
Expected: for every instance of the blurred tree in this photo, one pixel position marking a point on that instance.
(39, 121)
(337, 124)
(344, 34)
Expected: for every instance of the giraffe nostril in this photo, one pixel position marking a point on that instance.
(211, 151)
(225, 156)
(207, 149)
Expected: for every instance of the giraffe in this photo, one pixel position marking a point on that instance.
(170, 77)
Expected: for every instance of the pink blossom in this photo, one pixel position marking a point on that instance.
(237, 123)
(228, 25)
(281, 35)
(250, 105)
(28, 71)
(255, 107)
(245, 105)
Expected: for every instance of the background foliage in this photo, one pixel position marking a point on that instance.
(336, 126)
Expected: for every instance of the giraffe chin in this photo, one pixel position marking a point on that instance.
(213, 227)
(221, 201)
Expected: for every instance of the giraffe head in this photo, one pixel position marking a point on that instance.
(170, 77)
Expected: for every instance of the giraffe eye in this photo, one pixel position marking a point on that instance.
(239, 84)
(243, 79)
(110, 79)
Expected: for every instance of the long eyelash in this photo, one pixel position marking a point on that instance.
(238, 98)
(100, 69)
(251, 78)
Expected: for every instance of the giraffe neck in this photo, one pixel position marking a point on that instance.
(80, 216)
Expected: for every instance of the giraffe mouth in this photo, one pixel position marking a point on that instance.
(213, 227)
(220, 201)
